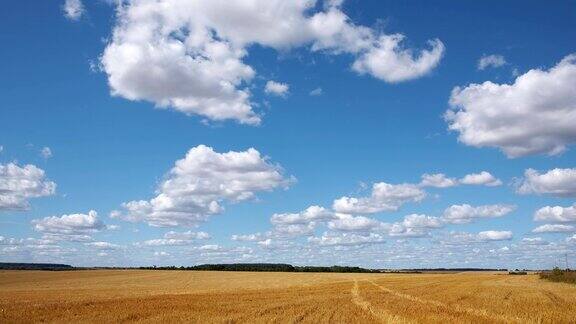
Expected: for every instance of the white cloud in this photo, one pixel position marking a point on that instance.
(173, 238)
(166, 242)
(291, 224)
(487, 61)
(277, 88)
(210, 247)
(534, 241)
(161, 253)
(384, 197)
(556, 182)
(247, 237)
(438, 180)
(316, 92)
(554, 228)
(481, 237)
(399, 231)
(556, 214)
(389, 61)
(10, 241)
(194, 51)
(197, 186)
(188, 235)
(336, 239)
(345, 222)
(103, 245)
(534, 115)
(73, 9)
(462, 214)
(421, 221)
(311, 214)
(19, 184)
(495, 235)
(292, 230)
(299, 224)
(483, 178)
(267, 243)
(46, 152)
(72, 227)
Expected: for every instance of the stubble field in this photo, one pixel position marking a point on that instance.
(205, 297)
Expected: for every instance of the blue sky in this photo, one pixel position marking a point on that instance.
(101, 100)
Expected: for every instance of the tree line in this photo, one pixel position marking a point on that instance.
(269, 267)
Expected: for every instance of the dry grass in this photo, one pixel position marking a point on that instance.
(203, 297)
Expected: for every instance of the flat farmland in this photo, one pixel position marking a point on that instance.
(215, 297)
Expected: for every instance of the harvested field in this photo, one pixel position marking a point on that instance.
(194, 296)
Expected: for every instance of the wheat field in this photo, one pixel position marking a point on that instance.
(215, 297)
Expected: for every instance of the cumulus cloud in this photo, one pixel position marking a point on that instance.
(72, 227)
(534, 115)
(336, 239)
(210, 247)
(291, 230)
(73, 9)
(166, 242)
(554, 228)
(389, 61)
(556, 214)
(277, 88)
(311, 214)
(556, 182)
(188, 235)
(438, 180)
(483, 178)
(493, 60)
(106, 246)
(413, 225)
(384, 197)
(345, 222)
(20, 183)
(462, 214)
(290, 225)
(10, 241)
(194, 51)
(173, 238)
(481, 237)
(198, 185)
(495, 235)
(422, 221)
(247, 237)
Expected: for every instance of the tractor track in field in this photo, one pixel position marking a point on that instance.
(458, 308)
(379, 314)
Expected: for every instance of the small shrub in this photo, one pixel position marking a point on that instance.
(559, 275)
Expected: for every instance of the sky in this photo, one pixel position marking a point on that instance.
(382, 134)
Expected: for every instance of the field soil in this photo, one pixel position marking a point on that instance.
(215, 297)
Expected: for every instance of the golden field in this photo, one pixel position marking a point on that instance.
(203, 297)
